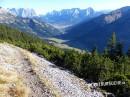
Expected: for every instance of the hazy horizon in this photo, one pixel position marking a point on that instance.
(42, 6)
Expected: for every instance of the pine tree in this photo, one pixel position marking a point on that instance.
(95, 51)
(112, 46)
(113, 40)
(119, 49)
(128, 52)
(105, 53)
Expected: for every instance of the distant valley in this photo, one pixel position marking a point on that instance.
(97, 31)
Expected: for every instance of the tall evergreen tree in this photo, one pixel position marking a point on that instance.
(128, 52)
(119, 49)
(95, 51)
(112, 42)
(105, 53)
(112, 46)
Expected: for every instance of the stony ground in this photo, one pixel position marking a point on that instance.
(42, 77)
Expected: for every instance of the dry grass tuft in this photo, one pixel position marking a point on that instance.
(11, 85)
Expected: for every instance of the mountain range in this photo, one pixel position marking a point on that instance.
(51, 21)
(96, 32)
(22, 12)
(30, 25)
(60, 19)
(68, 17)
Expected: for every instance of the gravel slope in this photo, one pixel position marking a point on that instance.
(42, 77)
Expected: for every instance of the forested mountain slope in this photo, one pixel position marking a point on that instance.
(97, 31)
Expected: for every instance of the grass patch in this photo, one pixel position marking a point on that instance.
(11, 85)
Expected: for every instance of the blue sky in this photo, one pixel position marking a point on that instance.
(43, 6)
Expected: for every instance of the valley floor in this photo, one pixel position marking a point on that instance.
(43, 78)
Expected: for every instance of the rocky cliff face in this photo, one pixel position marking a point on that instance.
(21, 12)
(40, 77)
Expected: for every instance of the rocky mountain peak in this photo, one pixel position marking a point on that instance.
(22, 12)
(89, 11)
(3, 11)
(117, 14)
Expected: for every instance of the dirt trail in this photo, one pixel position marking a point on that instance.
(42, 77)
(11, 57)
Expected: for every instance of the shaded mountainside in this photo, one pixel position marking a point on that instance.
(97, 31)
(35, 26)
(68, 17)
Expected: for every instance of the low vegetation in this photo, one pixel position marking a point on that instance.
(11, 85)
(112, 64)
